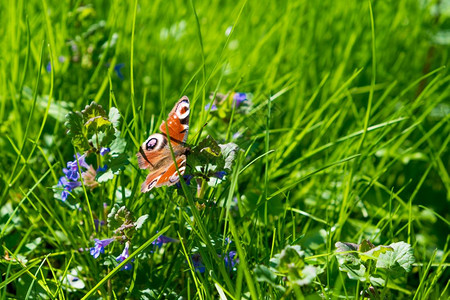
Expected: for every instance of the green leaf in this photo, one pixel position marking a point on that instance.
(105, 176)
(94, 117)
(291, 255)
(229, 154)
(74, 125)
(398, 261)
(265, 274)
(355, 272)
(374, 253)
(351, 257)
(139, 222)
(112, 221)
(206, 157)
(117, 157)
(365, 246)
(114, 117)
(308, 273)
(377, 281)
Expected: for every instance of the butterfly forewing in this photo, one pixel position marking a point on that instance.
(178, 122)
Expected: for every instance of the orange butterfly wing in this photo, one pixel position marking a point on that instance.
(165, 177)
(178, 122)
(155, 155)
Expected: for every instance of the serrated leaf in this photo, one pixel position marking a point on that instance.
(308, 273)
(117, 158)
(114, 117)
(377, 281)
(112, 222)
(206, 157)
(105, 176)
(74, 125)
(229, 154)
(265, 274)
(291, 255)
(355, 272)
(398, 261)
(94, 117)
(93, 110)
(365, 246)
(374, 253)
(118, 146)
(139, 222)
(351, 257)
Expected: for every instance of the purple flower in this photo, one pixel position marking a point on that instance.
(196, 260)
(125, 254)
(187, 179)
(117, 69)
(48, 68)
(230, 260)
(102, 169)
(220, 174)
(238, 98)
(100, 246)
(82, 160)
(72, 175)
(98, 224)
(68, 186)
(64, 195)
(72, 171)
(213, 107)
(104, 150)
(72, 167)
(162, 239)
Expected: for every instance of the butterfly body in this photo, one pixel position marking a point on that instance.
(155, 153)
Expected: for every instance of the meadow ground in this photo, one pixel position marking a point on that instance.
(318, 135)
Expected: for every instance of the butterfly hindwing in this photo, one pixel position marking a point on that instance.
(168, 177)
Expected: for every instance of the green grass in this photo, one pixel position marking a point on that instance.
(346, 139)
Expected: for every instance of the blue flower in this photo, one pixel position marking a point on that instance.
(104, 150)
(117, 69)
(100, 246)
(72, 167)
(187, 179)
(238, 98)
(102, 169)
(125, 254)
(64, 195)
(67, 186)
(213, 107)
(72, 175)
(98, 224)
(230, 260)
(48, 68)
(196, 260)
(220, 174)
(162, 239)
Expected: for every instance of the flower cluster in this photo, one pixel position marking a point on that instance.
(71, 178)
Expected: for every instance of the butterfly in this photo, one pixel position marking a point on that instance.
(155, 155)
